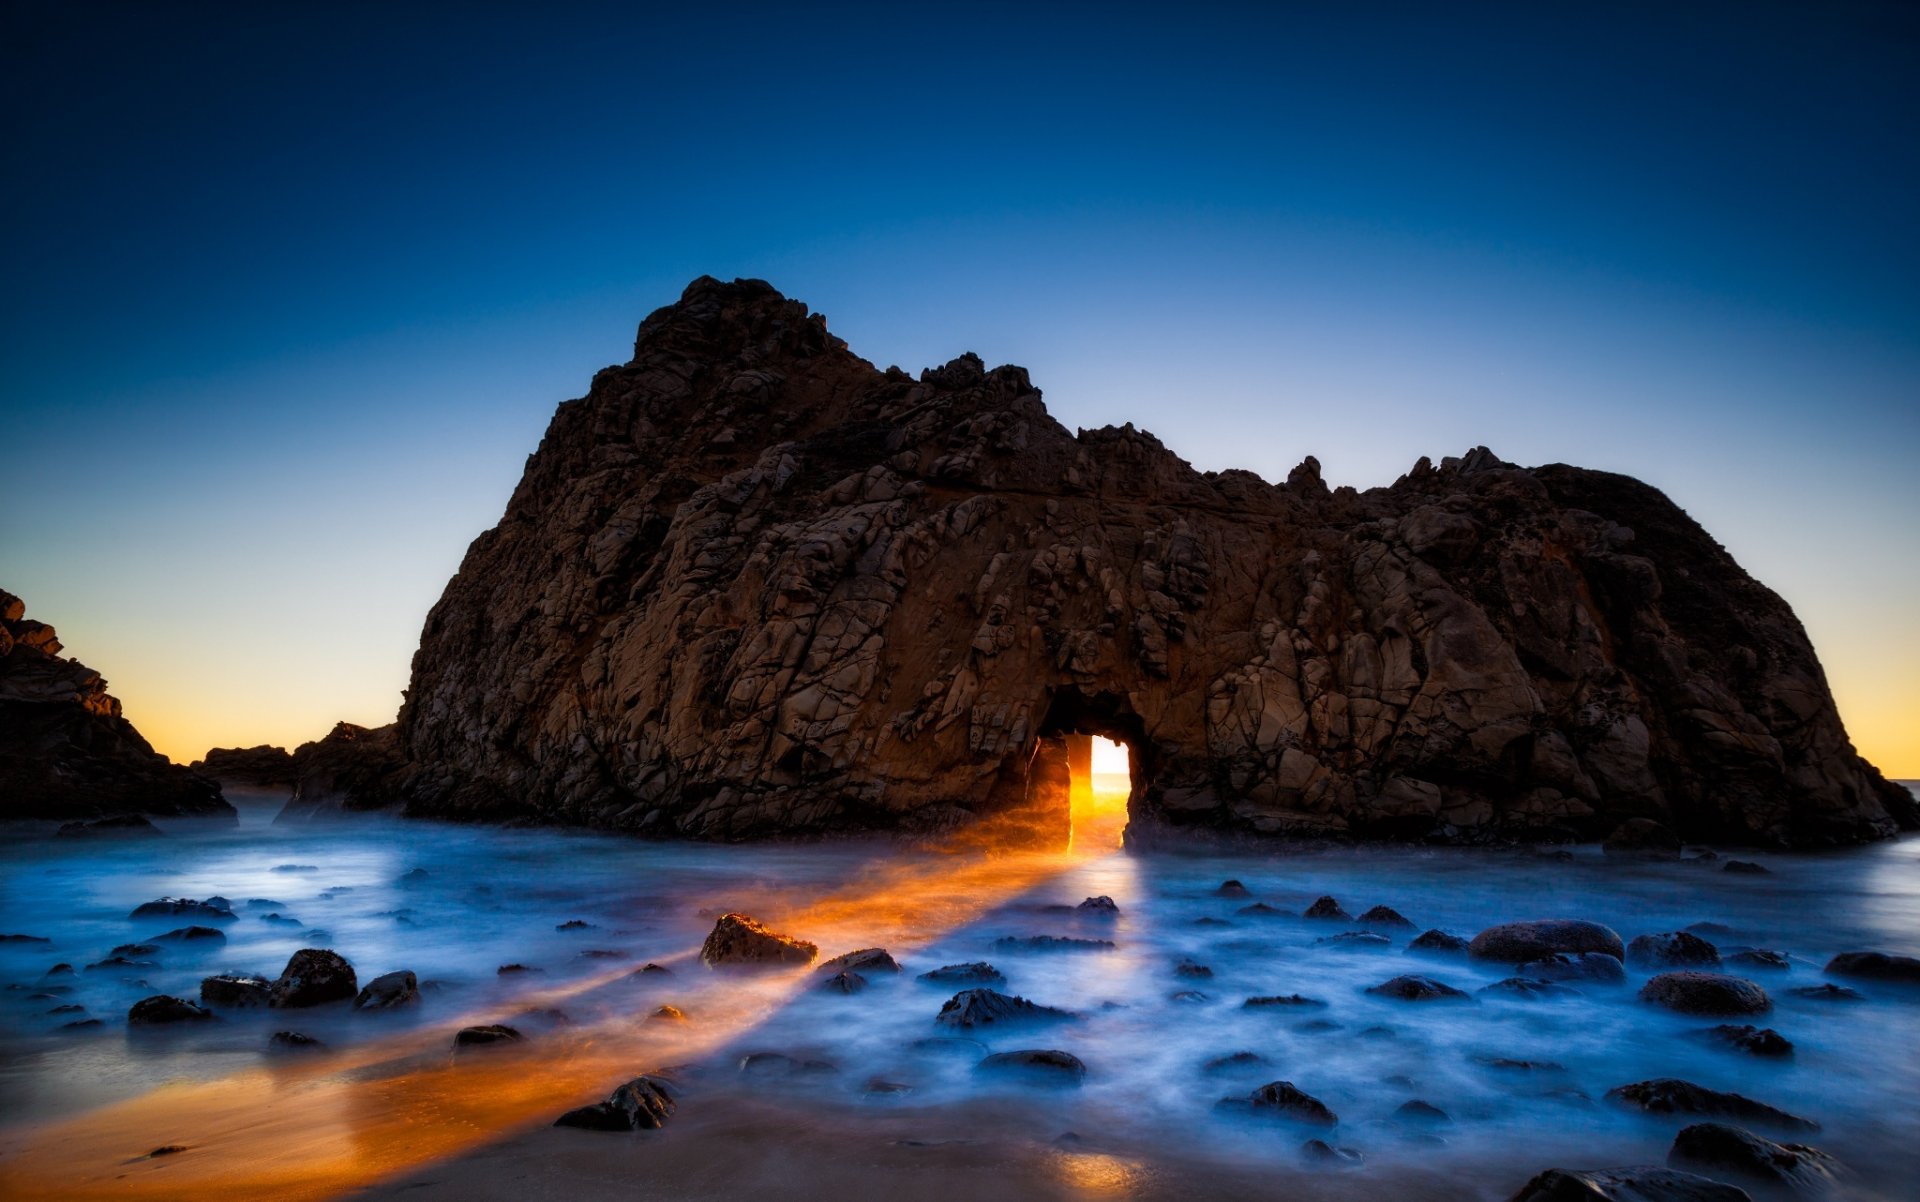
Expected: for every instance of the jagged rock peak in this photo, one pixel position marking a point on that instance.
(751, 585)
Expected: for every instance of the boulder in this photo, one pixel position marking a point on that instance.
(293, 1041)
(642, 1104)
(1437, 943)
(1519, 942)
(194, 934)
(843, 982)
(1875, 966)
(1410, 988)
(1192, 970)
(182, 907)
(1672, 949)
(389, 991)
(1283, 1001)
(235, 991)
(1529, 989)
(1385, 916)
(1735, 1152)
(1598, 968)
(1706, 993)
(1326, 907)
(1232, 888)
(1035, 1066)
(977, 972)
(971, 1008)
(1102, 906)
(1754, 1041)
(313, 977)
(737, 940)
(1320, 1153)
(1282, 1099)
(153, 1011)
(1416, 1113)
(1355, 941)
(1639, 1184)
(868, 960)
(486, 1035)
(1051, 943)
(1670, 1095)
(1235, 1062)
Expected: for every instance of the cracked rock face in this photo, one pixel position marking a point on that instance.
(752, 586)
(65, 750)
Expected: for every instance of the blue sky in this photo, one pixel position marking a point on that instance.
(294, 292)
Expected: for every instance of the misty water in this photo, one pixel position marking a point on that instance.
(455, 903)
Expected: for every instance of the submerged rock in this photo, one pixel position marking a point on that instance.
(1326, 907)
(207, 935)
(1519, 942)
(1670, 1095)
(1410, 988)
(1706, 993)
(1417, 1113)
(1727, 1151)
(1385, 916)
(642, 1104)
(1437, 942)
(1529, 989)
(1827, 993)
(1755, 1041)
(1875, 966)
(1672, 949)
(1038, 1066)
(866, 960)
(485, 1035)
(1759, 958)
(160, 1009)
(1355, 941)
(1745, 866)
(1098, 906)
(293, 1041)
(977, 972)
(1639, 1184)
(843, 983)
(1321, 1153)
(737, 939)
(1231, 888)
(1596, 968)
(1288, 1000)
(313, 977)
(1235, 1062)
(236, 991)
(390, 991)
(1283, 1099)
(182, 907)
(1192, 970)
(972, 1008)
(1051, 943)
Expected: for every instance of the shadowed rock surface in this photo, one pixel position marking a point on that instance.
(1733, 1152)
(1640, 1184)
(65, 751)
(352, 768)
(1670, 1095)
(262, 767)
(751, 585)
(642, 1104)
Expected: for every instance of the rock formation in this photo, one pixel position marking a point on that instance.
(751, 585)
(65, 751)
(262, 767)
(350, 769)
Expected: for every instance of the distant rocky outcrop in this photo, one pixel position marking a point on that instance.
(65, 751)
(751, 585)
(262, 767)
(352, 768)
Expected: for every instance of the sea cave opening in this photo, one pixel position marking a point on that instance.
(1088, 764)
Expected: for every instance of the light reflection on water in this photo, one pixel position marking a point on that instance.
(390, 1095)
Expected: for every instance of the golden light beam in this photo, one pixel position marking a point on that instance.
(318, 1126)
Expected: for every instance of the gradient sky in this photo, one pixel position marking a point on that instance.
(292, 290)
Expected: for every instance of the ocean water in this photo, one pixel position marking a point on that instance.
(454, 904)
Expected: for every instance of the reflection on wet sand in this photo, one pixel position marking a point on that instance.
(338, 1121)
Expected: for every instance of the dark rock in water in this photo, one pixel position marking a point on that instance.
(866, 960)
(415, 876)
(1208, 920)
(518, 970)
(262, 767)
(1672, 949)
(1411, 988)
(1642, 837)
(1192, 970)
(351, 769)
(1050, 943)
(1529, 989)
(1282, 1099)
(1875, 966)
(268, 903)
(67, 754)
(739, 940)
(1755, 1041)
(1417, 1113)
(1597, 968)
(1188, 997)
(168, 1150)
(120, 826)
(650, 969)
(1289, 1000)
(62, 969)
(1235, 1062)
(1638, 1184)
(1098, 905)
(1827, 993)
(1727, 1151)
(1670, 1095)
(1519, 942)
(1511, 1064)
(82, 1024)
(1326, 907)
(136, 949)
(977, 972)
(485, 1036)
(1037, 1066)
(779, 1064)
(1706, 993)
(746, 462)
(1232, 888)
(120, 963)
(1320, 1152)
(1437, 942)
(1758, 958)
(642, 1104)
(294, 1041)
(295, 868)
(1261, 910)
(575, 924)
(1385, 916)
(389, 991)
(182, 907)
(196, 934)
(164, 1009)
(1746, 866)
(843, 982)
(1356, 941)
(285, 920)
(24, 939)
(69, 1008)
(972, 1008)
(600, 953)
(667, 1014)
(236, 992)
(314, 977)
(881, 1088)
